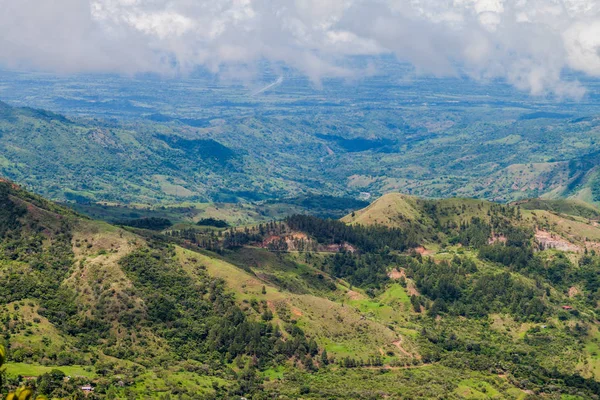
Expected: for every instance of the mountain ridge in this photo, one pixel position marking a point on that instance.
(263, 158)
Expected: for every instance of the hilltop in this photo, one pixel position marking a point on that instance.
(393, 210)
(403, 292)
(571, 224)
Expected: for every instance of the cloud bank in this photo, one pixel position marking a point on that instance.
(529, 43)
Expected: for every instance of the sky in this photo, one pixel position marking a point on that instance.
(527, 43)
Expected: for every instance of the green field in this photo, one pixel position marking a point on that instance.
(22, 369)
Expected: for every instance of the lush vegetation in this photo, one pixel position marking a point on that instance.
(264, 148)
(192, 318)
(217, 223)
(230, 275)
(367, 238)
(462, 294)
(152, 223)
(199, 319)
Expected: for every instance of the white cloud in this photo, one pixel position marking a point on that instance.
(582, 41)
(527, 42)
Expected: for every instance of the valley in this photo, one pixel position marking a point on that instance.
(148, 141)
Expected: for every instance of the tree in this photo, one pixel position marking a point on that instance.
(324, 357)
(313, 348)
(51, 381)
(2, 358)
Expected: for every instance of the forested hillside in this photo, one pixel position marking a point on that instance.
(275, 154)
(77, 292)
(408, 298)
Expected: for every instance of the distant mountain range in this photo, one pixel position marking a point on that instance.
(261, 158)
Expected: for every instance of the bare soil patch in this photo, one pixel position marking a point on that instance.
(395, 274)
(573, 291)
(352, 295)
(549, 240)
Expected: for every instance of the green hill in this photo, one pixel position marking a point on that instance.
(306, 307)
(570, 207)
(393, 209)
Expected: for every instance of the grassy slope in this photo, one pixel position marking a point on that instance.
(572, 207)
(397, 211)
(337, 325)
(392, 209)
(23, 369)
